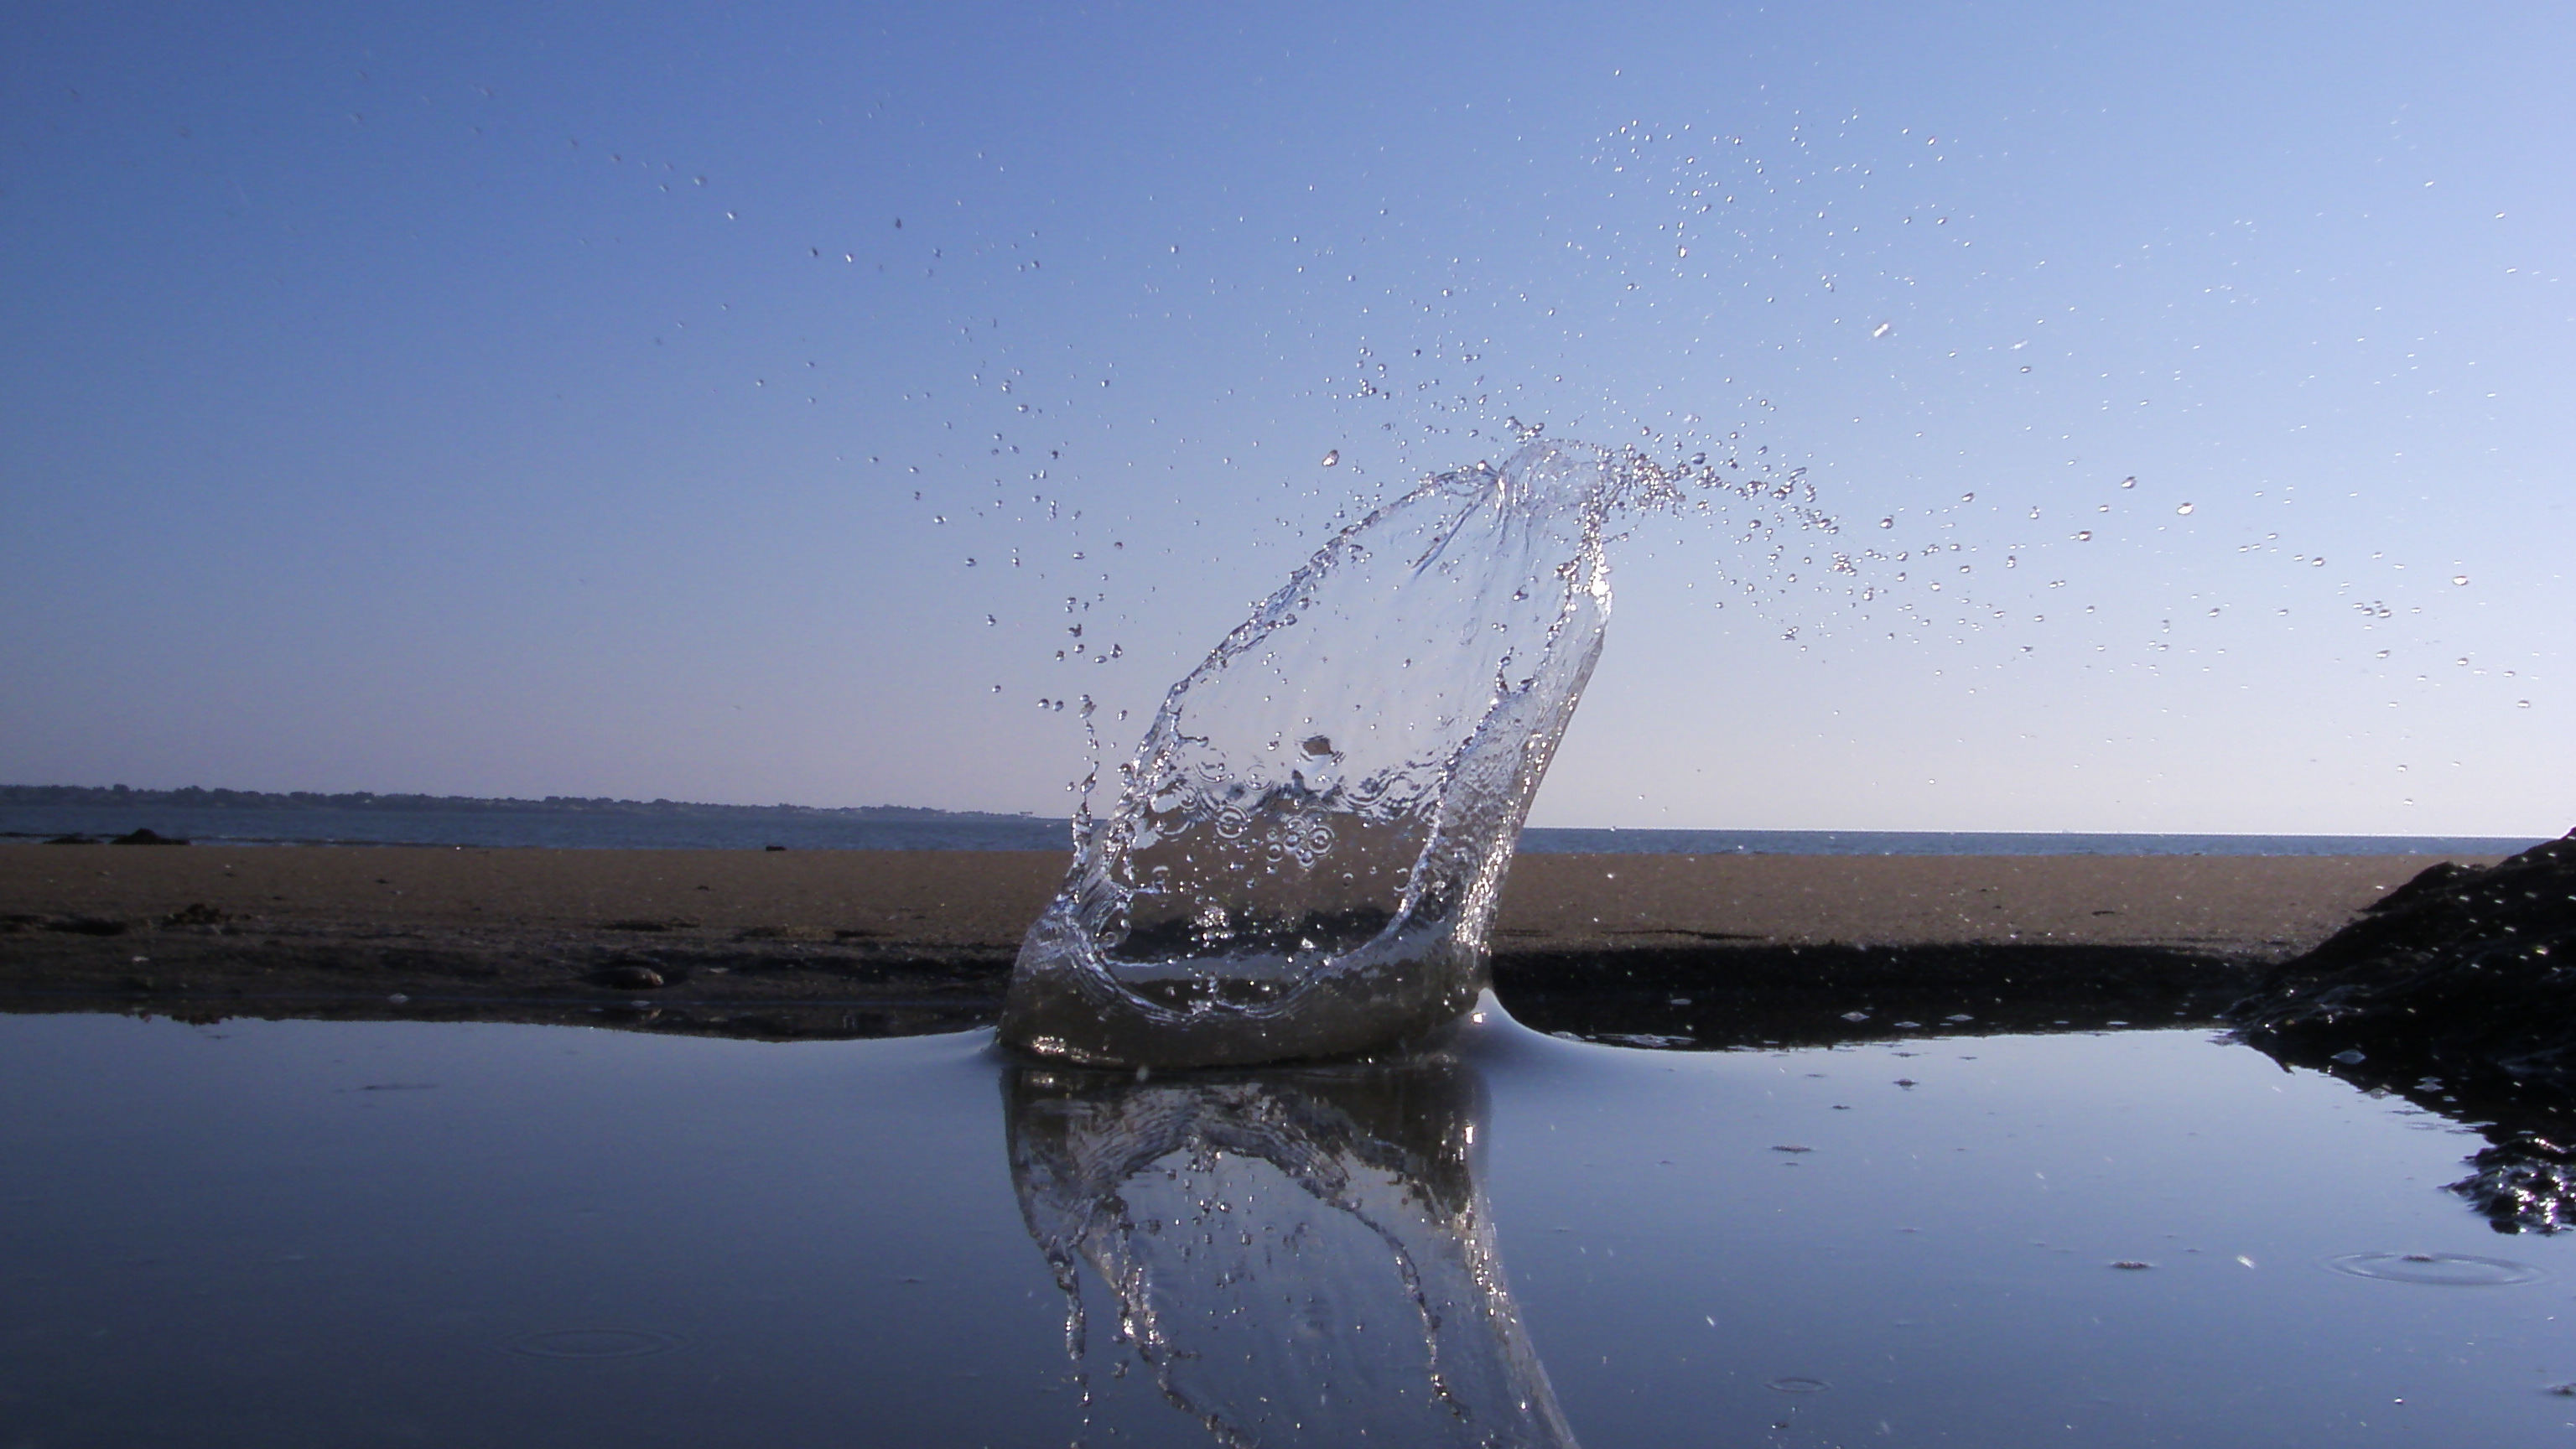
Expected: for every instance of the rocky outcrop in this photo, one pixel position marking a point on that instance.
(2468, 969)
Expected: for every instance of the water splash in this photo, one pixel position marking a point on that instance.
(1305, 855)
(1298, 1256)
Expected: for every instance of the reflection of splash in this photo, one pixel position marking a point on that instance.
(1300, 1255)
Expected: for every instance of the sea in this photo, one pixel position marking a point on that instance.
(631, 825)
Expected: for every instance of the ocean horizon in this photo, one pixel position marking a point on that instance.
(222, 817)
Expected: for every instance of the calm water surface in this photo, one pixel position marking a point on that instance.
(300, 1233)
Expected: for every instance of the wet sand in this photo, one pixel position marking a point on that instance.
(867, 942)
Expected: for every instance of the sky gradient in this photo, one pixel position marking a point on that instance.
(600, 402)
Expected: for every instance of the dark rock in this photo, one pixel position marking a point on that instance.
(145, 837)
(195, 913)
(88, 926)
(73, 839)
(637, 973)
(2465, 967)
(674, 923)
(773, 847)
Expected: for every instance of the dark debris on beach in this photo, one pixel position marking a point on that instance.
(1766, 994)
(669, 975)
(201, 963)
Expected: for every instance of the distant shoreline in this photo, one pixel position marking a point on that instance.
(199, 798)
(249, 817)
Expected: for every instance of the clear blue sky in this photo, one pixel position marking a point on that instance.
(545, 400)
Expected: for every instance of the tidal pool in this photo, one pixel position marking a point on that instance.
(292, 1233)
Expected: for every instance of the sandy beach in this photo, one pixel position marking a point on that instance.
(869, 942)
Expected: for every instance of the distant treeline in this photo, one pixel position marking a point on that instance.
(198, 798)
